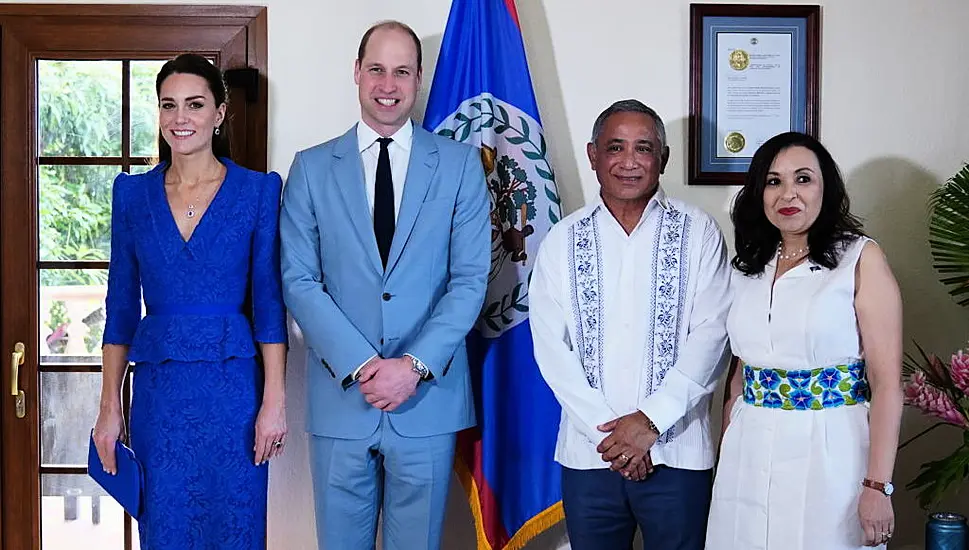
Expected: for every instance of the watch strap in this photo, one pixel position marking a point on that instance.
(879, 486)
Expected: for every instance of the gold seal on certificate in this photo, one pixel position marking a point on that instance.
(739, 59)
(734, 142)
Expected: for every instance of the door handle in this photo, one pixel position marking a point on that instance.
(17, 359)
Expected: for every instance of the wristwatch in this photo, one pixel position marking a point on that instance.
(420, 368)
(885, 488)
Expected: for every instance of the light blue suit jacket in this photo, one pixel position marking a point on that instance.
(426, 302)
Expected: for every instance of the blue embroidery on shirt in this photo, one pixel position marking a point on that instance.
(671, 273)
(585, 267)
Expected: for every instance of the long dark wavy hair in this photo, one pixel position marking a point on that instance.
(190, 63)
(756, 238)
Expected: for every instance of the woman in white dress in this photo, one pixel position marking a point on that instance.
(814, 402)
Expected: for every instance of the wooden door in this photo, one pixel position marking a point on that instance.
(77, 106)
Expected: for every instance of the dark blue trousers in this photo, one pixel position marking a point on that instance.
(670, 506)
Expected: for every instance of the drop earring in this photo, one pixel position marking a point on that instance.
(217, 131)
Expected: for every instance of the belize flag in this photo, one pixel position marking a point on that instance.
(482, 95)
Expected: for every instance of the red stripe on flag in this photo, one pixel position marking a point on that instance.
(469, 448)
(513, 12)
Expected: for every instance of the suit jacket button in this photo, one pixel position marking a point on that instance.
(386, 296)
(381, 341)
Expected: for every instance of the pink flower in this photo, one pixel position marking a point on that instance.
(960, 371)
(933, 401)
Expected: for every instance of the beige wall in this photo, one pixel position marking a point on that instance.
(893, 113)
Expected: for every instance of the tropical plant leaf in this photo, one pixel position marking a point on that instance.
(936, 477)
(949, 234)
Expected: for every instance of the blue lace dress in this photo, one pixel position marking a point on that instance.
(197, 383)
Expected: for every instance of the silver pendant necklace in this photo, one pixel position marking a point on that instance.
(192, 206)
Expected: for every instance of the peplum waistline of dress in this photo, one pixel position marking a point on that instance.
(192, 337)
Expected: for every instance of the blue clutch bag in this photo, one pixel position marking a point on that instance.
(127, 485)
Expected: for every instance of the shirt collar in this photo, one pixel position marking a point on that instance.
(658, 199)
(366, 136)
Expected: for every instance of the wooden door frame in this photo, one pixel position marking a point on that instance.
(32, 31)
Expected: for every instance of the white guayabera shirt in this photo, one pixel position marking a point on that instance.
(625, 322)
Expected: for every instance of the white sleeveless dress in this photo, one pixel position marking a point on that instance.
(796, 450)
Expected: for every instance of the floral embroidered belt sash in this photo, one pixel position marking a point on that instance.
(802, 390)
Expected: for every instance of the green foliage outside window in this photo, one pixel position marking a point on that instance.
(80, 115)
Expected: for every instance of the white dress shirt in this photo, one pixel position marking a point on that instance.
(399, 151)
(625, 322)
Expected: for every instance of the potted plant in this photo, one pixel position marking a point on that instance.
(937, 387)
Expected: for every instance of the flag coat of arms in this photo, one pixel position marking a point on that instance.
(482, 95)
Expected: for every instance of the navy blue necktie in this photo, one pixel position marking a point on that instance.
(383, 202)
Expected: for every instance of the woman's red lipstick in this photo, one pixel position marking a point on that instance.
(789, 211)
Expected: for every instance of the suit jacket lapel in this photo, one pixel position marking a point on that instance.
(348, 171)
(420, 170)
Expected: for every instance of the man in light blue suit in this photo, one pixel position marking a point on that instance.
(385, 258)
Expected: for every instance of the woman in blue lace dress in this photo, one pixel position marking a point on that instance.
(197, 239)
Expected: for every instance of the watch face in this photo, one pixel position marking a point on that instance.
(889, 489)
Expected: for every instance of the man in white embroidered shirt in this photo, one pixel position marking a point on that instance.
(628, 304)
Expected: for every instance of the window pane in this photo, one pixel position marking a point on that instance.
(75, 212)
(72, 315)
(68, 410)
(144, 108)
(79, 108)
(140, 168)
(77, 513)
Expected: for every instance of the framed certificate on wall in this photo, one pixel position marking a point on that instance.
(754, 73)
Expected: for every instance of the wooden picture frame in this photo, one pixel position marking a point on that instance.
(754, 73)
